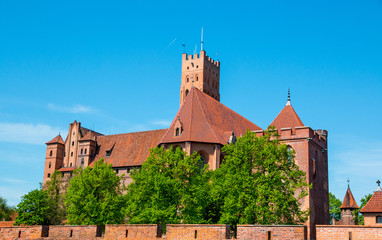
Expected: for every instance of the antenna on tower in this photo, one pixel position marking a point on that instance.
(196, 49)
(201, 41)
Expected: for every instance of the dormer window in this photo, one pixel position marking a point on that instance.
(178, 128)
(108, 153)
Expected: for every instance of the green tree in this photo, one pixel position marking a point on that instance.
(259, 182)
(5, 210)
(94, 196)
(171, 187)
(54, 189)
(334, 207)
(33, 209)
(358, 218)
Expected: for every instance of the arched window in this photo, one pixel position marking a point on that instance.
(204, 157)
(186, 92)
(177, 132)
(71, 164)
(82, 150)
(71, 154)
(48, 175)
(51, 153)
(85, 150)
(187, 79)
(73, 143)
(82, 162)
(50, 165)
(197, 77)
(379, 219)
(290, 153)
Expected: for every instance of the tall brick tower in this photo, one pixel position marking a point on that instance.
(54, 157)
(202, 72)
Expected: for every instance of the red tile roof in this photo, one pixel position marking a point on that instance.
(90, 135)
(349, 201)
(287, 118)
(67, 169)
(206, 120)
(128, 149)
(374, 205)
(57, 139)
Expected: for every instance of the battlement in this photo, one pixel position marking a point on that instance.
(202, 55)
(319, 135)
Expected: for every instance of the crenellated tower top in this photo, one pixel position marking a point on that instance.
(202, 72)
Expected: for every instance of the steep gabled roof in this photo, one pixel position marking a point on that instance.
(374, 205)
(57, 139)
(204, 119)
(287, 118)
(128, 149)
(349, 201)
(90, 135)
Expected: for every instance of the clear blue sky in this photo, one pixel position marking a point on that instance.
(115, 67)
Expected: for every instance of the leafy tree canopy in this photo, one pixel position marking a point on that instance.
(33, 209)
(334, 207)
(171, 187)
(5, 210)
(259, 182)
(94, 196)
(57, 214)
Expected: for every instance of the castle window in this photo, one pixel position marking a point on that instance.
(51, 153)
(85, 150)
(186, 92)
(117, 171)
(82, 162)
(73, 143)
(188, 68)
(50, 165)
(197, 77)
(187, 79)
(379, 219)
(48, 175)
(71, 154)
(82, 150)
(197, 66)
(71, 164)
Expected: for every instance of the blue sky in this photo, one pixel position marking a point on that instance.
(115, 67)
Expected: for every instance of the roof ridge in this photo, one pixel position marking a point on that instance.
(208, 123)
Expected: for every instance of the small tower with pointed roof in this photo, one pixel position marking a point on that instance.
(372, 211)
(202, 72)
(54, 157)
(348, 206)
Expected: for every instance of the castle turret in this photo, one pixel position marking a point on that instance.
(54, 157)
(348, 205)
(201, 72)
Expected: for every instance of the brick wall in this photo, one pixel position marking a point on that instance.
(132, 231)
(76, 232)
(259, 232)
(26, 232)
(326, 232)
(197, 231)
(6, 223)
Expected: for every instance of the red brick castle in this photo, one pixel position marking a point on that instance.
(204, 125)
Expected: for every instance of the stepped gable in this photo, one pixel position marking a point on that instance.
(57, 139)
(203, 119)
(374, 205)
(349, 201)
(287, 118)
(128, 149)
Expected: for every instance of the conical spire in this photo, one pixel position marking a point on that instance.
(287, 117)
(349, 201)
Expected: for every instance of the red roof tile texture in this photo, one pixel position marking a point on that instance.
(374, 205)
(57, 139)
(206, 120)
(349, 201)
(287, 118)
(129, 149)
